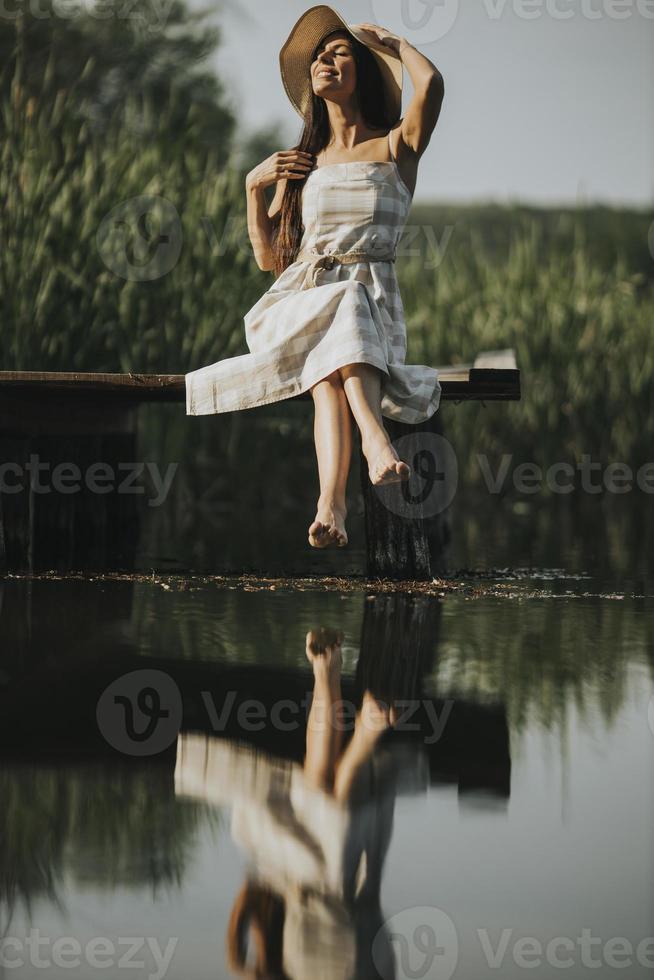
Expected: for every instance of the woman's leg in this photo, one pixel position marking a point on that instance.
(362, 386)
(324, 727)
(372, 720)
(333, 438)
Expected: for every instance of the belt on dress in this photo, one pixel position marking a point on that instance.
(326, 260)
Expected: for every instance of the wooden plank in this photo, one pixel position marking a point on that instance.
(138, 387)
(496, 359)
(459, 382)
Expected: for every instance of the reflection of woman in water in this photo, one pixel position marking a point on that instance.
(317, 834)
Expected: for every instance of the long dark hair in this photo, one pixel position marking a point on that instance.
(316, 132)
(257, 903)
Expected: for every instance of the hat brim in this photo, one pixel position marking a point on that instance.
(296, 56)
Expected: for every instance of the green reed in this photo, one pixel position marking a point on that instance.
(69, 299)
(582, 330)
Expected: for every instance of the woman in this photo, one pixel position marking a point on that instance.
(333, 323)
(316, 834)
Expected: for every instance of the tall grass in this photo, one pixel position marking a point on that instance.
(69, 299)
(583, 333)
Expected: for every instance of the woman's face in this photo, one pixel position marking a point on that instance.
(333, 70)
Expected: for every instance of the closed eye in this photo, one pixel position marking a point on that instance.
(341, 51)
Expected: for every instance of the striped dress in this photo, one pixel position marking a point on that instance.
(313, 321)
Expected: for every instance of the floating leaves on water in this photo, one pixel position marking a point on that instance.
(469, 583)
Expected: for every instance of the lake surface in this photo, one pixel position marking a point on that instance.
(240, 492)
(506, 820)
(172, 798)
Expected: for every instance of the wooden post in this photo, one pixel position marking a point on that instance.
(408, 525)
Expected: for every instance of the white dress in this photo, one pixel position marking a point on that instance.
(306, 326)
(325, 858)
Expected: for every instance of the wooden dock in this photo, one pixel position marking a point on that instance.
(82, 416)
(493, 376)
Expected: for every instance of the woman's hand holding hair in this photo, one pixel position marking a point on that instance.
(292, 164)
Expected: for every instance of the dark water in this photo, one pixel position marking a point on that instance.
(159, 769)
(242, 490)
(509, 808)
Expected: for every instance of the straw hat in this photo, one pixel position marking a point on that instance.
(297, 54)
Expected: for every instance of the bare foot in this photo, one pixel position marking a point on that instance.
(328, 529)
(323, 649)
(384, 464)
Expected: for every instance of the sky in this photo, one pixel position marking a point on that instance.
(546, 101)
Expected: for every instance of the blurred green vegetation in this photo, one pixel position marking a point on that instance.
(548, 660)
(113, 135)
(75, 292)
(575, 303)
(102, 54)
(96, 824)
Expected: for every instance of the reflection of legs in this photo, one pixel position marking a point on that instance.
(372, 721)
(362, 385)
(333, 438)
(323, 648)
